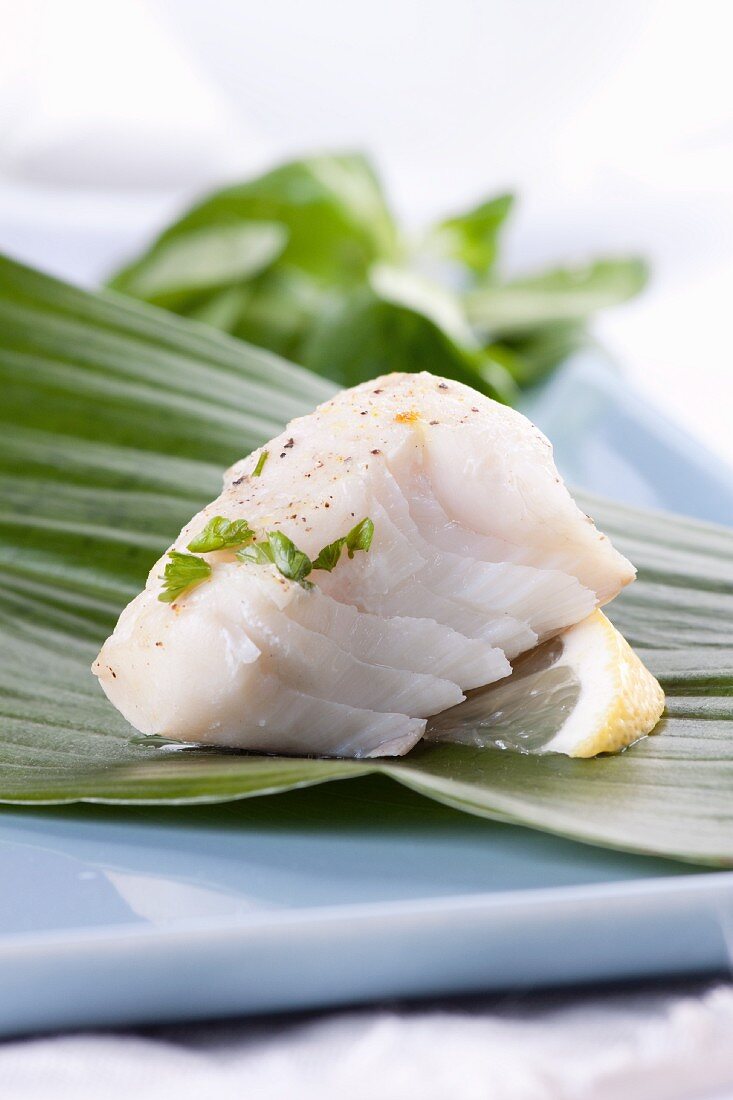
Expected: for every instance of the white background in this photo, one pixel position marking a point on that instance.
(614, 121)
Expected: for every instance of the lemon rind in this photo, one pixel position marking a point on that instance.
(620, 700)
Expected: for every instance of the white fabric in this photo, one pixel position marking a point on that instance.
(633, 1046)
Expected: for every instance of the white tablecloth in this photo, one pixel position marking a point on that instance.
(641, 1044)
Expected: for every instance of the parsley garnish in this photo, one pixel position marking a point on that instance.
(280, 551)
(222, 534)
(289, 560)
(182, 572)
(328, 557)
(359, 538)
(264, 455)
(258, 552)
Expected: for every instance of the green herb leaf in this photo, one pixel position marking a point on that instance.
(328, 556)
(182, 572)
(221, 309)
(331, 208)
(177, 270)
(260, 553)
(325, 220)
(222, 534)
(264, 455)
(472, 238)
(278, 309)
(533, 355)
(306, 256)
(562, 295)
(399, 322)
(289, 560)
(360, 536)
(280, 551)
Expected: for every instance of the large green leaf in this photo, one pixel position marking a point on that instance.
(116, 422)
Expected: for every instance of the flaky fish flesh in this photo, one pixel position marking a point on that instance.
(464, 550)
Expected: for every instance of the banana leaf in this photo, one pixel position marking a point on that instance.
(116, 421)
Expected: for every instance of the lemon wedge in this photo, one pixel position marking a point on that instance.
(582, 693)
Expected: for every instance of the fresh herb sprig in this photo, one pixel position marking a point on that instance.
(222, 534)
(287, 558)
(185, 571)
(182, 572)
(279, 550)
(359, 538)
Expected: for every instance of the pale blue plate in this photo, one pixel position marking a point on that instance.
(362, 890)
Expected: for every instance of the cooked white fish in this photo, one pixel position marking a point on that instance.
(476, 554)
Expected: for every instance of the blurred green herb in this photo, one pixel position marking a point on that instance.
(308, 261)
